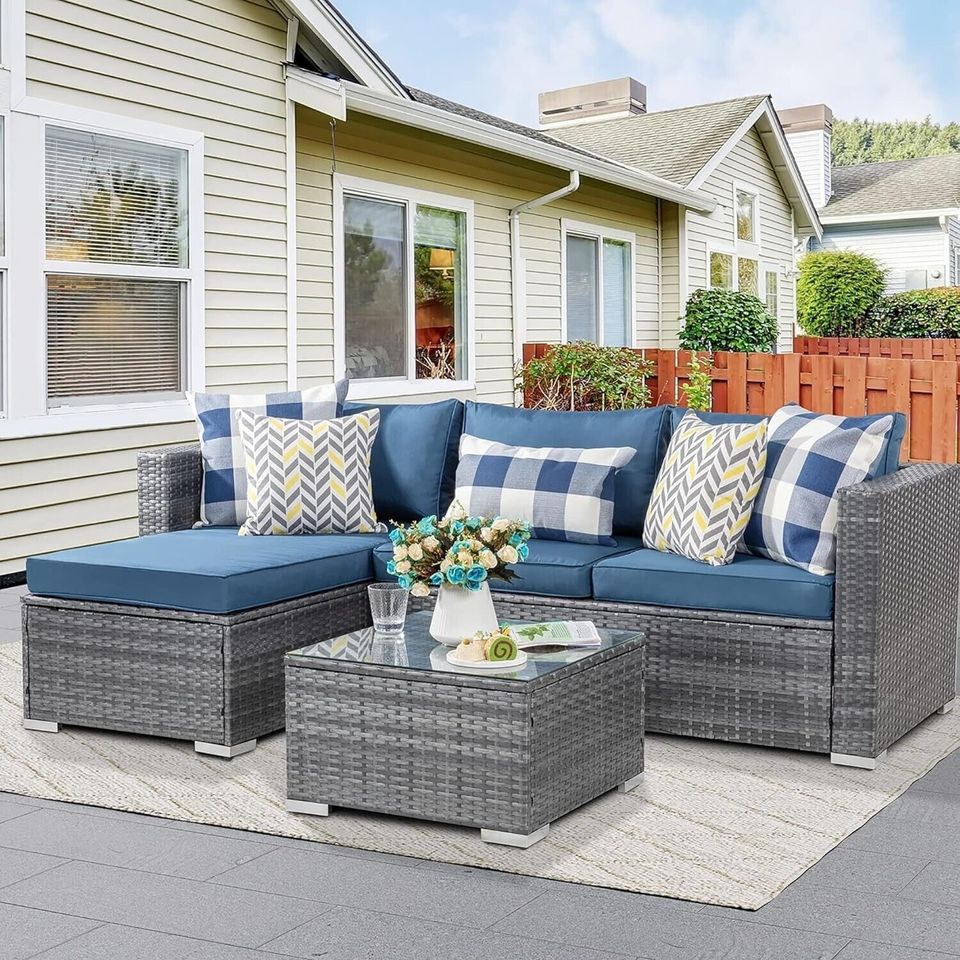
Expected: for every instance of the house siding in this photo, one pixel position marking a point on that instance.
(811, 150)
(381, 151)
(953, 227)
(897, 247)
(214, 67)
(747, 163)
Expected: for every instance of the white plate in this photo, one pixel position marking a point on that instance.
(518, 661)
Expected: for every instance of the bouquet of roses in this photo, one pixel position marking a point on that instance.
(458, 551)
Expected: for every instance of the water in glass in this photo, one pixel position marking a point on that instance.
(388, 607)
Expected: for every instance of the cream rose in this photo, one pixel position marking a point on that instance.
(400, 553)
(420, 589)
(488, 559)
(506, 553)
(465, 558)
(498, 525)
(431, 544)
(486, 534)
(415, 551)
(445, 564)
(403, 566)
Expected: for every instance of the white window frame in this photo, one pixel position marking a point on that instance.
(594, 231)
(411, 197)
(747, 248)
(27, 412)
(726, 251)
(767, 268)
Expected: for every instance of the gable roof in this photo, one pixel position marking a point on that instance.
(674, 144)
(895, 186)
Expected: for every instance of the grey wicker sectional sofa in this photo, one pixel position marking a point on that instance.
(181, 632)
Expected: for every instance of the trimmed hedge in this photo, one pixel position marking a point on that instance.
(727, 320)
(835, 290)
(916, 313)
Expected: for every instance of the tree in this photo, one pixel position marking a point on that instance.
(835, 290)
(869, 141)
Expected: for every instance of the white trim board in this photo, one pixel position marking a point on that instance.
(866, 218)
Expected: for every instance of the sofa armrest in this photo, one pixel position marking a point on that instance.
(168, 488)
(897, 593)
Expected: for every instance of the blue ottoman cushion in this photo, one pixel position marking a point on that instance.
(414, 462)
(208, 570)
(555, 568)
(748, 585)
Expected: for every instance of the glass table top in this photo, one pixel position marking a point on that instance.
(415, 649)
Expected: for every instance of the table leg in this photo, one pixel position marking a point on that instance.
(522, 840)
(628, 785)
(307, 806)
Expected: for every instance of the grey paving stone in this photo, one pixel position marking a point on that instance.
(165, 904)
(348, 934)
(16, 865)
(918, 824)
(862, 870)
(10, 809)
(368, 884)
(937, 883)
(109, 942)
(10, 618)
(861, 950)
(9, 635)
(126, 843)
(25, 933)
(848, 913)
(943, 778)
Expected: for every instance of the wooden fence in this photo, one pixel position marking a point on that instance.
(926, 390)
(893, 348)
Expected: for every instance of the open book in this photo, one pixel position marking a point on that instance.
(555, 635)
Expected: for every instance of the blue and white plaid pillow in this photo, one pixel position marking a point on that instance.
(810, 457)
(563, 493)
(223, 502)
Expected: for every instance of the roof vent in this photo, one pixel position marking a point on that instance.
(606, 100)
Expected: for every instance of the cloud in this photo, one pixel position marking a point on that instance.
(850, 54)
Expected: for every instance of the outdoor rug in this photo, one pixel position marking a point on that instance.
(710, 822)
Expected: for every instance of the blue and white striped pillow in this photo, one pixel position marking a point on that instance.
(563, 493)
(223, 502)
(810, 456)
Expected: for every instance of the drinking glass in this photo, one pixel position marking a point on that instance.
(388, 607)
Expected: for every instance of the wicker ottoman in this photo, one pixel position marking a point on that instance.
(390, 727)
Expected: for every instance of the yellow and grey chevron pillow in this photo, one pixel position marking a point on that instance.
(309, 476)
(706, 488)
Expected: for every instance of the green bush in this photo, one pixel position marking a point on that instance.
(835, 290)
(726, 320)
(916, 313)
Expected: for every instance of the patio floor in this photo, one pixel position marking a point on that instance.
(80, 883)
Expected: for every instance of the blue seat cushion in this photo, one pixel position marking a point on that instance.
(748, 585)
(208, 570)
(414, 461)
(555, 568)
(889, 459)
(647, 431)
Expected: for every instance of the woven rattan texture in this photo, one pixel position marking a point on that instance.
(895, 636)
(499, 755)
(168, 673)
(169, 480)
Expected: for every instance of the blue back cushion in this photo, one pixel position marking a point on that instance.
(414, 462)
(889, 461)
(644, 430)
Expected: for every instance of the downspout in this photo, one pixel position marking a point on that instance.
(659, 275)
(517, 292)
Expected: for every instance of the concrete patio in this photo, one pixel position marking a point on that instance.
(81, 883)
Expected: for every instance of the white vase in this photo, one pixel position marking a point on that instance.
(460, 613)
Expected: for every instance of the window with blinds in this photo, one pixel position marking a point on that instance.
(599, 282)
(116, 267)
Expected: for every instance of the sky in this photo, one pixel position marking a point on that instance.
(879, 59)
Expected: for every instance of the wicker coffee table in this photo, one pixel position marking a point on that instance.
(389, 726)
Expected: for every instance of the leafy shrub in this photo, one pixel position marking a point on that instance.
(698, 390)
(584, 376)
(727, 320)
(835, 290)
(916, 313)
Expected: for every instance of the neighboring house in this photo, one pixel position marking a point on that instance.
(905, 213)
(239, 195)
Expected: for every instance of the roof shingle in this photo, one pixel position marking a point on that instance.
(895, 186)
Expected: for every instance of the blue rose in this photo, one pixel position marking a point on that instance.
(456, 575)
(476, 574)
(391, 568)
(457, 527)
(436, 579)
(405, 581)
(523, 551)
(471, 585)
(515, 540)
(396, 536)
(428, 526)
(474, 523)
